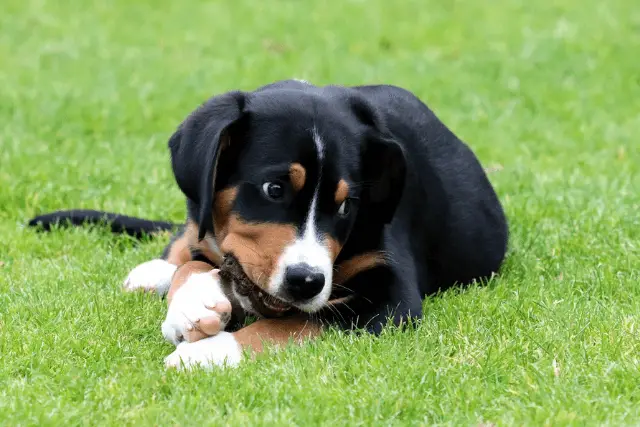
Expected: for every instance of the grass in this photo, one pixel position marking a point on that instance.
(547, 92)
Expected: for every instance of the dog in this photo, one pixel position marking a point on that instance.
(330, 206)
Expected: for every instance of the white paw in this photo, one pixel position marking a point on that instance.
(154, 276)
(198, 309)
(220, 350)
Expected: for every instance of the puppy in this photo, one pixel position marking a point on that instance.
(331, 205)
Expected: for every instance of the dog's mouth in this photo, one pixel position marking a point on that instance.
(268, 301)
(262, 303)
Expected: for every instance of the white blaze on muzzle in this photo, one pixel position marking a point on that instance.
(304, 272)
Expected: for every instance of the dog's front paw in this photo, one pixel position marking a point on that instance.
(198, 309)
(152, 276)
(221, 350)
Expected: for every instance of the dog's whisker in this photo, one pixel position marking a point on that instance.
(253, 250)
(346, 304)
(335, 310)
(344, 287)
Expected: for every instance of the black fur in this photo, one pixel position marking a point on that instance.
(120, 224)
(419, 194)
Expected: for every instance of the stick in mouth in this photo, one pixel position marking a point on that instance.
(263, 303)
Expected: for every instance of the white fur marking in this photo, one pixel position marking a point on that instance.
(308, 249)
(220, 350)
(190, 303)
(154, 275)
(319, 144)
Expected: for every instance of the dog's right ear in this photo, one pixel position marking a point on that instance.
(383, 162)
(196, 147)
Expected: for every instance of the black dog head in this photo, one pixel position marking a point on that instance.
(281, 174)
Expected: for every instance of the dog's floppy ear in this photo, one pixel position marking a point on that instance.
(383, 163)
(196, 147)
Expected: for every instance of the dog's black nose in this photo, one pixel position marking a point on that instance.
(302, 281)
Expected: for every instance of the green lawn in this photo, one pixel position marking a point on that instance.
(547, 93)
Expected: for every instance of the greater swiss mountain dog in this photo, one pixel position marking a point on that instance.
(310, 206)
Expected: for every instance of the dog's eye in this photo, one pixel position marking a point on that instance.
(344, 208)
(273, 190)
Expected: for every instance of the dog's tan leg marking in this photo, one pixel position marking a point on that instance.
(276, 332)
(226, 349)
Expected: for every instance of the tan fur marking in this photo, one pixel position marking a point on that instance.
(222, 209)
(256, 246)
(179, 252)
(298, 176)
(359, 263)
(342, 191)
(334, 247)
(191, 231)
(223, 204)
(182, 274)
(338, 301)
(205, 248)
(277, 332)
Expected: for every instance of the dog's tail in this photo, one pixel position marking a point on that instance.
(122, 224)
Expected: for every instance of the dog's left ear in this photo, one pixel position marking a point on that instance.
(383, 162)
(196, 148)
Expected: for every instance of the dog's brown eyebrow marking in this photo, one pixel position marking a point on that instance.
(298, 176)
(342, 191)
(359, 263)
